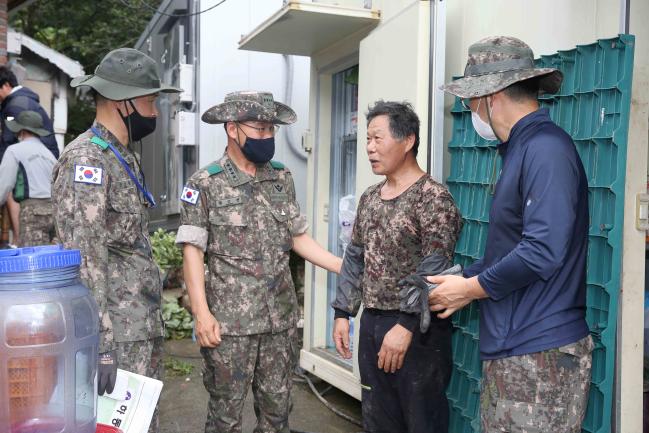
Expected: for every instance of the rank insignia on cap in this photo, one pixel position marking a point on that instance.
(88, 174)
(189, 195)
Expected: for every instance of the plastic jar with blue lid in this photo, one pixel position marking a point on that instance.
(49, 336)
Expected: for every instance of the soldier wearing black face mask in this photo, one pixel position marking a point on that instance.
(100, 207)
(241, 211)
(138, 126)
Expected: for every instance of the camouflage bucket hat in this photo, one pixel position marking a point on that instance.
(125, 73)
(497, 62)
(27, 120)
(250, 106)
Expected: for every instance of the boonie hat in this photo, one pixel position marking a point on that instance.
(497, 62)
(27, 120)
(125, 73)
(245, 106)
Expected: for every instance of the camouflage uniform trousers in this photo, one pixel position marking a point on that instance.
(36, 222)
(145, 358)
(266, 361)
(537, 392)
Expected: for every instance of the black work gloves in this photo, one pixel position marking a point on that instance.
(106, 372)
(414, 295)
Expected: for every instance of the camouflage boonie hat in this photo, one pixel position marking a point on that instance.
(125, 73)
(29, 121)
(497, 62)
(250, 106)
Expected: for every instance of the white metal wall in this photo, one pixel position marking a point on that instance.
(224, 68)
(394, 68)
(546, 25)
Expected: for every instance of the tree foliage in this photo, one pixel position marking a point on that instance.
(84, 30)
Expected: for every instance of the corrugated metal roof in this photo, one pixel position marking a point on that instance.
(70, 67)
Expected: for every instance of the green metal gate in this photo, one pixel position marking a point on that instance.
(593, 107)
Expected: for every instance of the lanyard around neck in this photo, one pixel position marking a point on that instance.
(147, 195)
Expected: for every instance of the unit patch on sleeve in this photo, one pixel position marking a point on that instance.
(88, 174)
(189, 195)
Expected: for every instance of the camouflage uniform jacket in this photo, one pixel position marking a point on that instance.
(246, 224)
(106, 218)
(397, 234)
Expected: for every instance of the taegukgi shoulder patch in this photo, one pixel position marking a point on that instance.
(88, 174)
(189, 195)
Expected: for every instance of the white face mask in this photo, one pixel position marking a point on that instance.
(483, 129)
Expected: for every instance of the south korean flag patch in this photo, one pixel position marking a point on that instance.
(88, 174)
(189, 195)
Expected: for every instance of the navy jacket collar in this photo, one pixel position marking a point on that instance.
(540, 115)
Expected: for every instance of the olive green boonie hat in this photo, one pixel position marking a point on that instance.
(27, 120)
(497, 62)
(250, 106)
(125, 73)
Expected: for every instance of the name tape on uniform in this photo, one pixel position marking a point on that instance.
(88, 174)
(189, 195)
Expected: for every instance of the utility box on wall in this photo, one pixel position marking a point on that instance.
(186, 82)
(184, 128)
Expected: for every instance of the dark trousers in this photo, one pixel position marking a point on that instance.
(413, 399)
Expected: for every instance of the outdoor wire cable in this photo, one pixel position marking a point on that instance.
(328, 405)
(148, 6)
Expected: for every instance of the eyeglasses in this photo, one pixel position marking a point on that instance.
(270, 129)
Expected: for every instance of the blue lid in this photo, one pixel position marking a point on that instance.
(38, 258)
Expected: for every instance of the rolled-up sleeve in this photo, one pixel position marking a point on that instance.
(193, 235)
(193, 228)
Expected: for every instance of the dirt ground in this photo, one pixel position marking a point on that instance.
(183, 403)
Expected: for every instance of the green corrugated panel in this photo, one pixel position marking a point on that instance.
(593, 106)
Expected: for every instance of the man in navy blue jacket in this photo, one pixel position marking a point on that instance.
(531, 282)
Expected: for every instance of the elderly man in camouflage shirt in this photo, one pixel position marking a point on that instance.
(242, 211)
(100, 207)
(406, 224)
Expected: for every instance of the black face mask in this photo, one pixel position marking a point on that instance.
(258, 150)
(138, 126)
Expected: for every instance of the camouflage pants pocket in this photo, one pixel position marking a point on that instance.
(518, 417)
(537, 392)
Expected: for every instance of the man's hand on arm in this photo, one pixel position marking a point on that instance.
(453, 293)
(206, 327)
(393, 350)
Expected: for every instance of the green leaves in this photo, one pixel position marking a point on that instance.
(177, 320)
(176, 367)
(165, 251)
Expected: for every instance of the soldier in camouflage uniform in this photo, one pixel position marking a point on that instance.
(100, 207)
(26, 168)
(242, 211)
(407, 224)
(531, 282)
